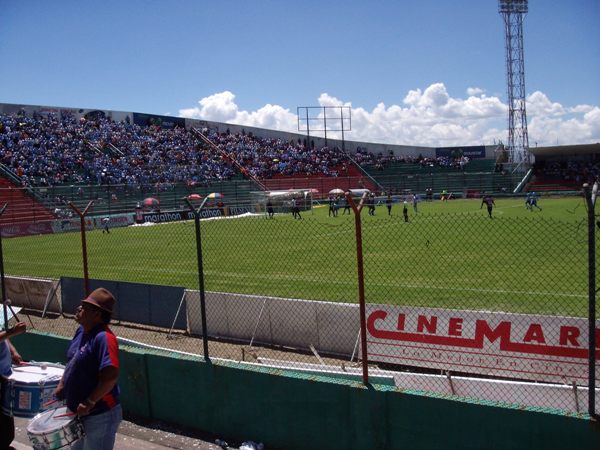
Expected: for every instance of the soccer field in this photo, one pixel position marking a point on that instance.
(449, 255)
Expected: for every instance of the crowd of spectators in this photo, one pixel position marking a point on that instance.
(47, 150)
(56, 149)
(268, 157)
(569, 171)
(50, 149)
(381, 160)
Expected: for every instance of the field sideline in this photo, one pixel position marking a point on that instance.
(449, 255)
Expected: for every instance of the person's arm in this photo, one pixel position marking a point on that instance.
(107, 379)
(59, 390)
(15, 355)
(19, 328)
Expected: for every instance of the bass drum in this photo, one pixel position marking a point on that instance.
(29, 388)
(54, 429)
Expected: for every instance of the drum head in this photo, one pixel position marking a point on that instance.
(51, 420)
(35, 373)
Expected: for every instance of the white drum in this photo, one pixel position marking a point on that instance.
(54, 429)
(29, 388)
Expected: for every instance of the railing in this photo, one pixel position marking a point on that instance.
(523, 182)
(233, 161)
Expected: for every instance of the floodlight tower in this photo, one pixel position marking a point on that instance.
(513, 13)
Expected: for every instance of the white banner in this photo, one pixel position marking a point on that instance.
(542, 348)
(63, 225)
(31, 293)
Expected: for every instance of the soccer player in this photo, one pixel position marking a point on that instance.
(531, 201)
(489, 201)
(388, 204)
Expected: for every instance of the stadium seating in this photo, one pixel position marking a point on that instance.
(121, 163)
(22, 206)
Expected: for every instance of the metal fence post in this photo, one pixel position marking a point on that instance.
(361, 282)
(4, 305)
(200, 274)
(590, 202)
(86, 278)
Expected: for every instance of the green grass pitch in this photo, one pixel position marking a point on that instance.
(449, 255)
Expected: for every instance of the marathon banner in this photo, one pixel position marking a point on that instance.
(174, 216)
(144, 120)
(26, 229)
(475, 151)
(541, 348)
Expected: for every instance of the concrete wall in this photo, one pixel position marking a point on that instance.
(285, 409)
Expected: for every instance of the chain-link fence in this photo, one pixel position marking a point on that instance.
(459, 304)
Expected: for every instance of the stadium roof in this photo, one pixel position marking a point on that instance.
(565, 150)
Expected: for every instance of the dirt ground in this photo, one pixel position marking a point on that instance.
(183, 342)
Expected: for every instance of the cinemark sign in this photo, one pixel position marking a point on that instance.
(542, 348)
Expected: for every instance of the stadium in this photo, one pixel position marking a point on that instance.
(280, 295)
(297, 288)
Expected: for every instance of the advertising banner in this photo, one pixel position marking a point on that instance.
(64, 225)
(541, 348)
(475, 151)
(26, 229)
(174, 216)
(161, 121)
(238, 210)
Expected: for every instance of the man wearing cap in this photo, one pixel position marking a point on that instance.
(89, 382)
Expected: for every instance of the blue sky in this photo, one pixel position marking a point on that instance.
(415, 73)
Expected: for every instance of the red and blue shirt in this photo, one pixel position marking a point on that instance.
(87, 355)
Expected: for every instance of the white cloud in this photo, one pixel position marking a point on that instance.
(472, 91)
(538, 104)
(218, 107)
(429, 117)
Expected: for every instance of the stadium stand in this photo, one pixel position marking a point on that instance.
(564, 168)
(72, 158)
(23, 206)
